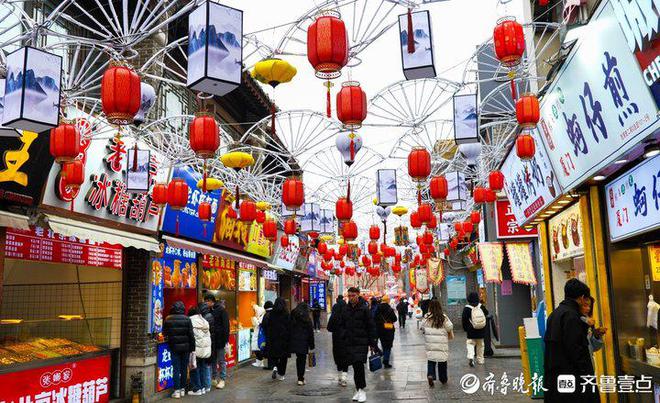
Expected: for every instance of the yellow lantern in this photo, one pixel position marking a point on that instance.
(399, 210)
(211, 184)
(237, 160)
(263, 206)
(273, 71)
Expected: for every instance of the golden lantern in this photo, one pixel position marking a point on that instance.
(273, 72)
(263, 206)
(399, 210)
(237, 160)
(211, 184)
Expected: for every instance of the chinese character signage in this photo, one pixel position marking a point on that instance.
(157, 297)
(520, 262)
(78, 381)
(507, 225)
(633, 200)
(219, 273)
(244, 344)
(654, 258)
(239, 235)
(164, 369)
(529, 186)
(42, 245)
(491, 256)
(178, 267)
(317, 293)
(565, 231)
(230, 351)
(599, 106)
(247, 277)
(286, 257)
(24, 164)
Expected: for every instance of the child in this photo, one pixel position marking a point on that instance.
(438, 330)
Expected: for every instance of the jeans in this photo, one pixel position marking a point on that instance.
(442, 371)
(200, 377)
(180, 369)
(479, 344)
(220, 365)
(386, 355)
(317, 323)
(358, 375)
(280, 364)
(301, 362)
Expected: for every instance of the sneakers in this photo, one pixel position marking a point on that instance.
(362, 396)
(471, 362)
(207, 390)
(182, 392)
(387, 365)
(176, 395)
(281, 377)
(430, 378)
(256, 363)
(343, 379)
(274, 374)
(196, 393)
(220, 384)
(301, 383)
(356, 396)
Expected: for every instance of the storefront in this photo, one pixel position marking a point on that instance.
(284, 259)
(269, 286)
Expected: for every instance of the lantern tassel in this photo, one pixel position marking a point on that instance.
(177, 224)
(328, 107)
(237, 196)
(348, 190)
(411, 34)
(419, 194)
(135, 157)
(204, 178)
(514, 92)
(351, 148)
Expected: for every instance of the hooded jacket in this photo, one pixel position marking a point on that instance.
(335, 327)
(277, 327)
(178, 330)
(472, 333)
(205, 311)
(302, 333)
(202, 336)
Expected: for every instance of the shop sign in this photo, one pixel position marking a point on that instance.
(189, 224)
(599, 106)
(86, 380)
(244, 339)
(105, 194)
(507, 226)
(566, 234)
(520, 262)
(247, 277)
(164, 369)
(491, 255)
(219, 273)
(654, 257)
(178, 267)
(317, 292)
(529, 186)
(456, 291)
(239, 235)
(286, 257)
(230, 351)
(157, 298)
(633, 201)
(270, 275)
(24, 168)
(506, 288)
(43, 245)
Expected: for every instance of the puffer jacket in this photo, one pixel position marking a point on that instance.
(259, 313)
(206, 313)
(436, 340)
(178, 330)
(359, 331)
(202, 336)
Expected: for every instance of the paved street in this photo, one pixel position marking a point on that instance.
(405, 382)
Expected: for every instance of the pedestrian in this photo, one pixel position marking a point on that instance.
(358, 335)
(302, 338)
(438, 330)
(373, 306)
(402, 310)
(316, 315)
(424, 305)
(594, 335)
(221, 336)
(268, 306)
(258, 317)
(566, 346)
(474, 324)
(277, 326)
(490, 333)
(385, 318)
(205, 311)
(338, 347)
(411, 307)
(178, 332)
(199, 374)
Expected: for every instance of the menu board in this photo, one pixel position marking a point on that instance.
(566, 234)
(42, 245)
(247, 277)
(219, 273)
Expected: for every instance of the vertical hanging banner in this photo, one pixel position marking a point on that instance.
(418, 63)
(466, 122)
(386, 190)
(520, 261)
(491, 255)
(422, 279)
(436, 271)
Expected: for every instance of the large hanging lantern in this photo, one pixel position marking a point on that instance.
(121, 94)
(428, 238)
(177, 194)
(491, 197)
(273, 72)
(260, 217)
(349, 230)
(374, 232)
(322, 248)
(468, 227)
(528, 111)
(327, 45)
(425, 212)
(159, 194)
(366, 261)
(475, 217)
(343, 209)
(73, 173)
(204, 135)
(479, 194)
(496, 180)
(65, 142)
(204, 213)
(415, 220)
(293, 193)
(419, 164)
(509, 41)
(525, 147)
(270, 229)
(247, 211)
(351, 105)
(433, 222)
(290, 226)
(348, 144)
(372, 248)
(439, 188)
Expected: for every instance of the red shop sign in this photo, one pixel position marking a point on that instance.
(78, 381)
(44, 245)
(231, 350)
(507, 226)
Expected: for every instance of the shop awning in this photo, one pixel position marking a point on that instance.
(276, 267)
(210, 250)
(97, 233)
(12, 220)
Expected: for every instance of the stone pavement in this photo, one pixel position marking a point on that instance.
(405, 382)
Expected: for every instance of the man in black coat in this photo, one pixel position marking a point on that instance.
(402, 310)
(220, 339)
(338, 348)
(178, 332)
(567, 349)
(277, 327)
(316, 315)
(359, 334)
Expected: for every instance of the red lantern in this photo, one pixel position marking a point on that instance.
(65, 142)
(366, 261)
(231, 213)
(433, 223)
(312, 234)
(270, 229)
(204, 211)
(415, 221)
(374, 232)
(121, 94)
(468, 227)
(525, 147)
(260, 217)
(527, 111)
(397, 258)
(343, 209)
(322, 248)
(458, 227)
(376, 258)
(543, 3)
(343, 250)
(327, 45)
(428, 238)
(284, 241)
(372, 248)
(454, 243)
(351, 105)
(425, 212)
(439, 188)
(349, 230)
(479, 194)
(419, 240)
(342, 264)
(509, 41)
(496, 180)
(446, 252)
(490, 196)
(350, 271)
(159, 194)
(204, 135)
(419, 164)
(396, 268)
(248, 211)
(293, 193)
(290, 226)
(73, 173)
(177, 194)
(475, 217)
(390, 251)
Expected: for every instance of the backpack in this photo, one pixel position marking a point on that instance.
(477, 317)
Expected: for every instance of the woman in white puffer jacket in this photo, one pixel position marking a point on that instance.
(202, 333)
(438, 330)
(259, 313)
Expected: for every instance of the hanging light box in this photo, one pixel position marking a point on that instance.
(32, 90)
(457, 187)
(327, 221)
(386, 187)
(311, 218)
(418, 63)
(5, 131)
(466, 119)
(215, 51)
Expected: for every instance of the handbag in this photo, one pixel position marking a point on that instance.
(311, 359)
(192, 361)
(261, 339)
(375, 362)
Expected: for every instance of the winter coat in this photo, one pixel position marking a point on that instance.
(220, 325)
(436, 340)
(359, 331)
(205, 311)
(385, 313)
(178, 330)
(472, 333)
(202, 336)
(567, 352)
(316, 311)
(258, 317)
(277, 326)
(402, 307)
(336, 328)
(301, 336)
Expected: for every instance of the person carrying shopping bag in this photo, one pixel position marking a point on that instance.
(199, 375)
(438, 330)
(474, 324)
(301, 340)
(385, 319)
